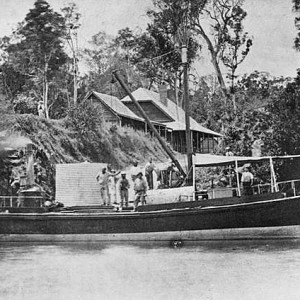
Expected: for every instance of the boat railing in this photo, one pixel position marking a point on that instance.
(18, 201)
(288, 188)
(262, 188)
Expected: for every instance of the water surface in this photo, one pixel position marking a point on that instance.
(210, 270)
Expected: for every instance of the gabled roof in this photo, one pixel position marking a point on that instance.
(114, 104)
(171, 109)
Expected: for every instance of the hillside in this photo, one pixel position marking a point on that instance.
(61, 143)
(116, 145)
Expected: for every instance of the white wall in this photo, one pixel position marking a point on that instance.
(76, 184)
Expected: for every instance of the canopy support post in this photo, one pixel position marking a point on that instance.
(274, 186)
(237, 179)
(194, 182)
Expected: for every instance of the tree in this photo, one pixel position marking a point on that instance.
(225, 17)
(156, 53)
(232, 54)
(38, 51)
(102, 58)
(170, 31)
(100, 55)
(219, 24)
(72, 17)
(256, 121)
(284, 108)
(207, 105)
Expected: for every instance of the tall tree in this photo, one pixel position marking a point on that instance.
(170, 30)
(102, 58)
(236, 46)
(219, 24)
(284, 108)
(38, 51)
(72, 19)
(156, 53)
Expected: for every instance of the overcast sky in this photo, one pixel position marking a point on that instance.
(269, 22)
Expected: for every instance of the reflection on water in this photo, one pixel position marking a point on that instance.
(210, 270)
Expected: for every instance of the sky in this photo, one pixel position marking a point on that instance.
(269, 22)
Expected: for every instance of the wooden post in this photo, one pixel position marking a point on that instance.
(274, 187)
(237, 179)
(187, 110)
(194, 183)
(293, 187)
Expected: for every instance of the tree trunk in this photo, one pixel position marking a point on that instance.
(7, 89)
(75, 78)
(45, 90)
(214, 59)
(218, 72)
(46, 99)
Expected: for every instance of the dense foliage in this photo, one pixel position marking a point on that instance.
(37, 65)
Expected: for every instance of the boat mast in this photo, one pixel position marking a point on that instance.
(184, 60)
(187, 112)
(149, 123)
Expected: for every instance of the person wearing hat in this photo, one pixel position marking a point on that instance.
(228, 151)
(247, 181)
(124, 187)
(102, 179)
(149, 168)
(111, 184)
(140, 188)
(135, 169)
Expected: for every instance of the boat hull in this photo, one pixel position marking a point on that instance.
(167, 237)
(274, 219)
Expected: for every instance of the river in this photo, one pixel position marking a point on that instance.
(210, 270)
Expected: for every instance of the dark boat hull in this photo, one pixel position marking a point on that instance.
(279, 218)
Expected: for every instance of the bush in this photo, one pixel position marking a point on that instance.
(25, 105)
(84, 118)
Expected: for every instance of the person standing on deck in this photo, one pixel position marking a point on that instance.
(111, 184)
(140, 188)
(149, 168)
(124, 187)
(134, 171)
(247, 181)
(102, 178)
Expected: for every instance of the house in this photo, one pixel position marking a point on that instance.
(116, 112)
(162, 110)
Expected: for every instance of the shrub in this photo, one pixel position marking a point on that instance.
(23, 104)
(84, 118)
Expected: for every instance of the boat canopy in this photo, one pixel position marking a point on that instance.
(206, 160)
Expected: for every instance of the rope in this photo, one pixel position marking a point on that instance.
(151, 59)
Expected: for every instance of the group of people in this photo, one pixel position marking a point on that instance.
(110, 183)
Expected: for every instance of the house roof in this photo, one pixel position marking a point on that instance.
(171, 109)
(116, 105)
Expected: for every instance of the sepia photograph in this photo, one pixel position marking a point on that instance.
(150, 149)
